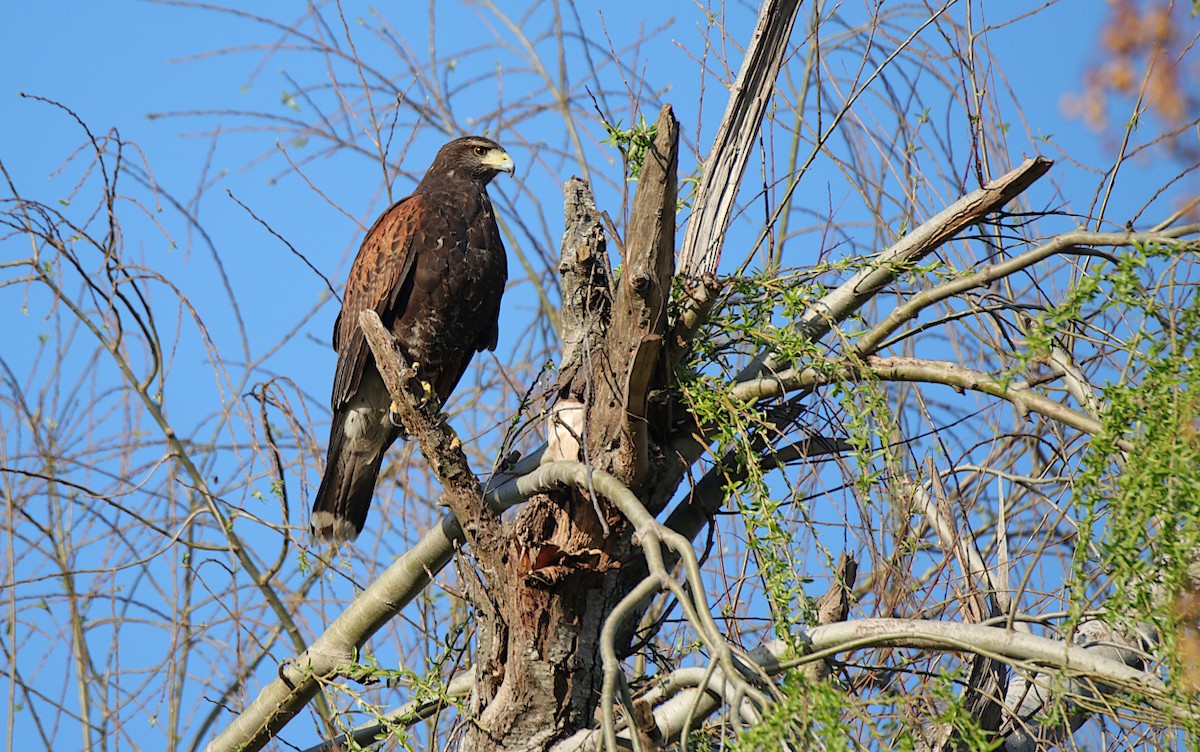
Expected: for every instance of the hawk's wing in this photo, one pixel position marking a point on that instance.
(380, 280)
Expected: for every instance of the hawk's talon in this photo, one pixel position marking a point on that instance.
(394, 420)
(426, 393)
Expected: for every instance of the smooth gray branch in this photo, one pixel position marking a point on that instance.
(918, 370)
(1088, 664)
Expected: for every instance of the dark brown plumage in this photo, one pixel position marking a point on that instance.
(433, 268)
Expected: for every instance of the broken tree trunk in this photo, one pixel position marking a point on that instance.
(550, 581)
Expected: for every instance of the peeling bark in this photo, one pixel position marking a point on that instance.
(548, 583)
(734, 142)
(587, 289)
(631, 363)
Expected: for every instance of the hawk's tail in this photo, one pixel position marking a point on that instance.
(340, 509)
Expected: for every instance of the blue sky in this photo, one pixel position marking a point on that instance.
(117, 63)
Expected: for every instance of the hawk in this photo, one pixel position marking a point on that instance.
(433, 267)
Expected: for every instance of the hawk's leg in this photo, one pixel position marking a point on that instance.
(426, 393)
(425, 387)
(423, 398)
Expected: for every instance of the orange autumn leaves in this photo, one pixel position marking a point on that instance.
(1146, 58)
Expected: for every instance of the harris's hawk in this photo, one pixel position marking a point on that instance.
(433, 268)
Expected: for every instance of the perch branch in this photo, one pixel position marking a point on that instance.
(299, 679)
(439, 445)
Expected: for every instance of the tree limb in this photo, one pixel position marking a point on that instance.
(299, 678)
(923, 371)
(714, 199)
(688, 444)
(851, 295)
(1089, 666)
(1078, 242)
(439, 445)
(630, 363)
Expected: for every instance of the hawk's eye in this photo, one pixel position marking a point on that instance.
(481, 150)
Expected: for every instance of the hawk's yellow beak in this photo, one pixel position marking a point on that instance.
(499, 161)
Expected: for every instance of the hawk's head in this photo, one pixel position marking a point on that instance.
(473, 156)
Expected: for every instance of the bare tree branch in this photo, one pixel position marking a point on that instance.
(726, 162)
(923, 371)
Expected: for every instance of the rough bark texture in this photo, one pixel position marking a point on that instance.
(549, 582)
(587, 289)
(531, 688)
(632, 363)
